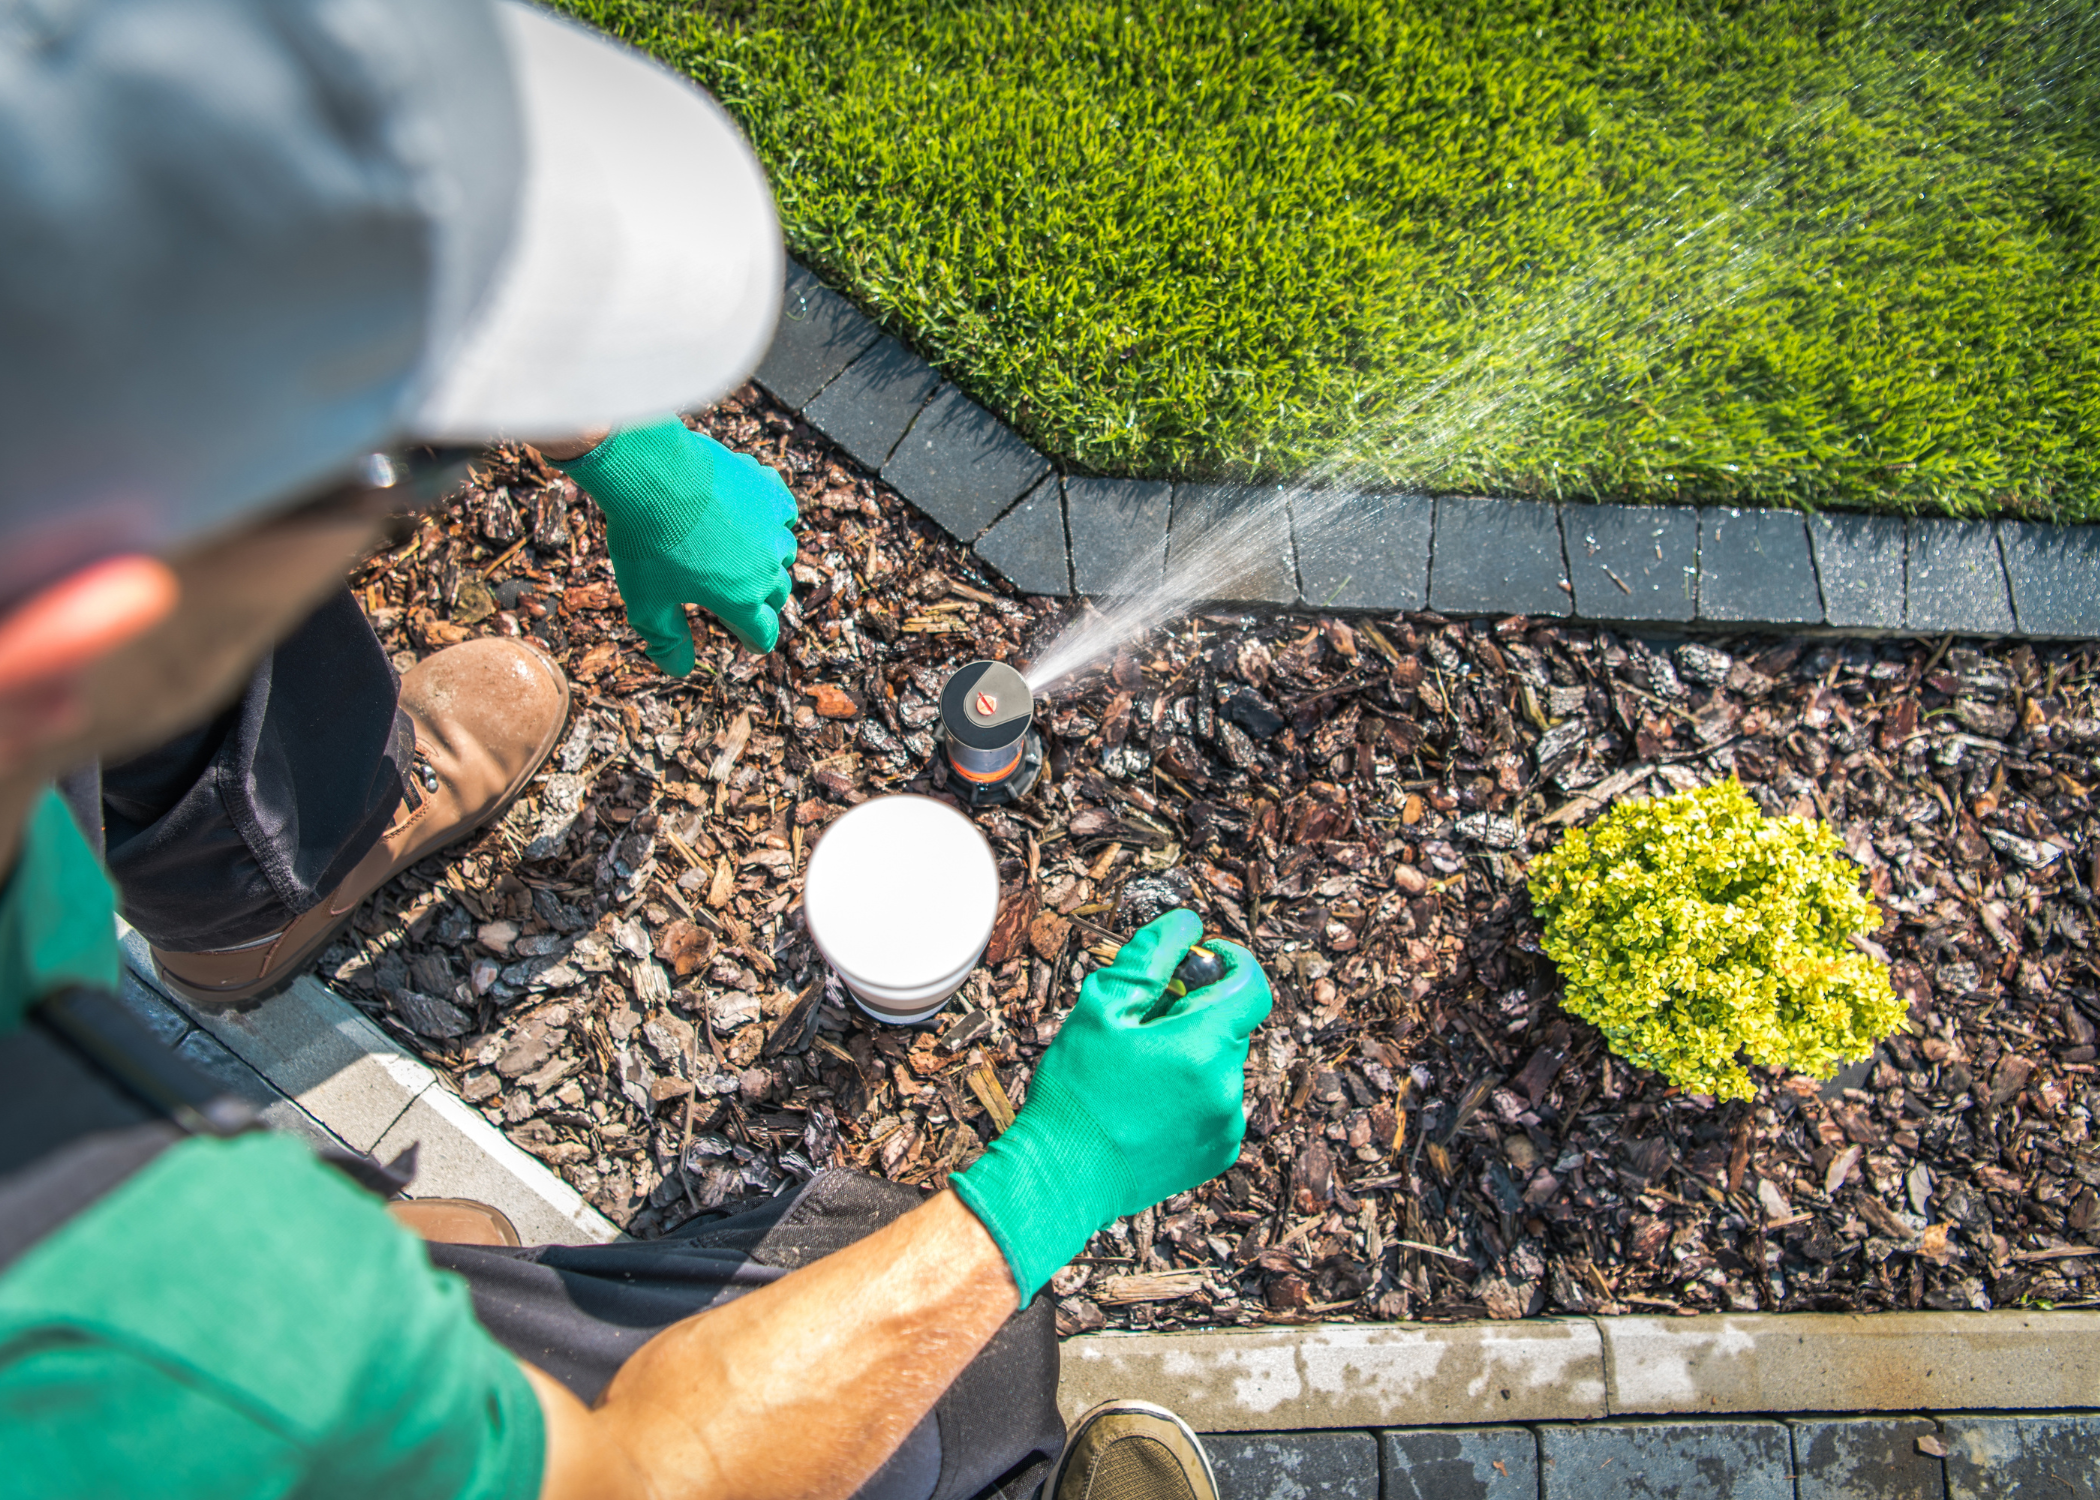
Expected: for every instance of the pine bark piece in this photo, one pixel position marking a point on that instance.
(984, 1083)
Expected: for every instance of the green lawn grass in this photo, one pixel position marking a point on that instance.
(1792, 253)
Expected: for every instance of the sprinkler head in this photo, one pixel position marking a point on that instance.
(988, 735)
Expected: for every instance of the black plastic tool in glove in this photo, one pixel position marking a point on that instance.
(1200, 968)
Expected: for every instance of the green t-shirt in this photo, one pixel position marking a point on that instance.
(235, 1319)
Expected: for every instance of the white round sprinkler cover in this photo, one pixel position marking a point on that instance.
(901, 892)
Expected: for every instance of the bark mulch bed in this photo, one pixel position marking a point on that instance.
(617, 976)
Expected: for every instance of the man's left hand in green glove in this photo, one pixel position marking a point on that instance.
(690, 522)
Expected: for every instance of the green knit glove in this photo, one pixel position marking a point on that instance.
(1140, 1097)
(689, 522)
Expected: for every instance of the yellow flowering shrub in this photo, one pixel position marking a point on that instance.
(1695, 932)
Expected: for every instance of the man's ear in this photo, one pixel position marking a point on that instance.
(49, 638)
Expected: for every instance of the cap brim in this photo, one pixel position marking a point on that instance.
(644, 274)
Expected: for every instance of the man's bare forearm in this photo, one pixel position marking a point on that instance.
(801, 1388)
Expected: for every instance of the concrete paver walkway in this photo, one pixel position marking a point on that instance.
(314, 1066)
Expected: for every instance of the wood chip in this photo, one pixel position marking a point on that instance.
(1170, 1286)
(984, 1083)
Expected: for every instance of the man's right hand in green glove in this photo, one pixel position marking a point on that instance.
(1127, 1106)
(688, 521)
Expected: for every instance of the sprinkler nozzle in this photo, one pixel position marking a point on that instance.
(988, 735)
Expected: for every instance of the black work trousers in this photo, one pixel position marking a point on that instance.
(578, 1312)
(225, 834)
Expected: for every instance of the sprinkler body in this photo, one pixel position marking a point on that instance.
(988, 734)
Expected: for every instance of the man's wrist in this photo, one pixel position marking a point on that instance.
(655, 482)
(984, 1246)
(564, 450)
(1045, 1185)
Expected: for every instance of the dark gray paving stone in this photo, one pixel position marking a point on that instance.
(1866, 1458)
(1294, 1465)
(161, 1017)
(1632, 562)
(1754, 567)
(820, 334)
(1363, 551)
(1027, 546)
(1460, 1463)
(2055, 1457)
(1233, 542)
(1497, 557)
(1860, 563)
(1956, 580)
(1119, 533)
(2055, 576)
(962, 465)
(866, 409)
(1678, 1460)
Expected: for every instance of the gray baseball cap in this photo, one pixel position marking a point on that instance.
(245, 242)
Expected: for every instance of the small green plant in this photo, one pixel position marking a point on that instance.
(1694, 931)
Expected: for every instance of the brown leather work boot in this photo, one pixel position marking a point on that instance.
(453, 1221)
(487, 714)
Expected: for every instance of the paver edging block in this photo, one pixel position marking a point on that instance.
(2055, 576)
(206, 1053)
(461, 1155)
(1861, 564)
(1498, 557)
(961, 465)
(1347, 1374)
(1836, 1362)
(153, 1009)
(1026, 546)
(1956, 580)
(1298, 1465)
(869, 405)
(1709, 1460)
(316, 1048)
(1866, 1458)
(1633, 562)
(1755, 568)
(1251, 560)
(1118, 530)
(1363, 551)
(1997, 1458)
(819, 334)
(1443, 1463)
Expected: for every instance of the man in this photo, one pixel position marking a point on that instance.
(246, 245)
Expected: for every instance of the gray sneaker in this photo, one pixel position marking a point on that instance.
(1131, 1450)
